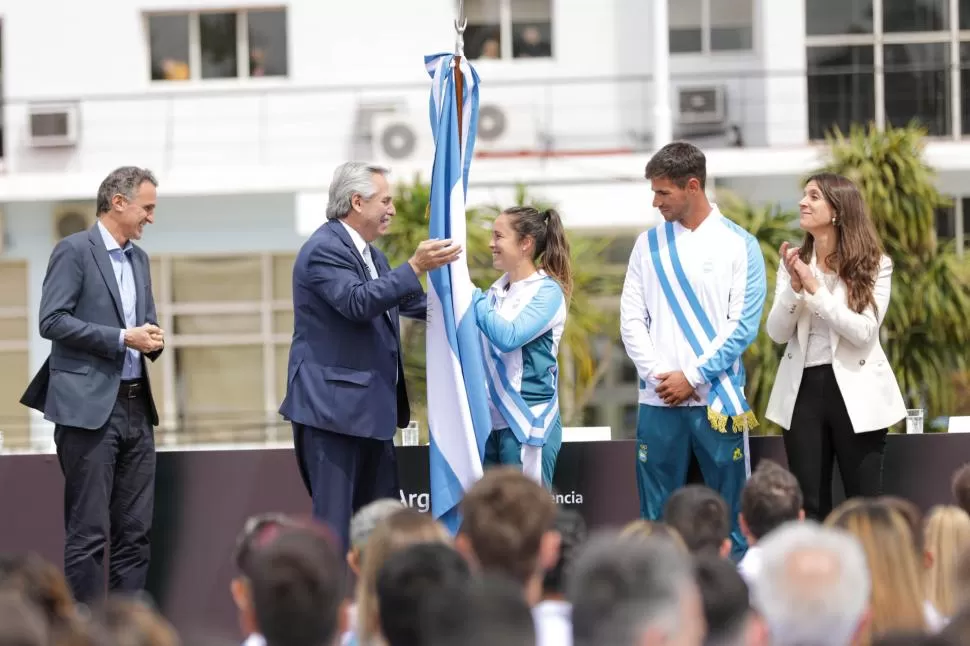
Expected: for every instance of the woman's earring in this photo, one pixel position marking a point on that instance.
(834, 222)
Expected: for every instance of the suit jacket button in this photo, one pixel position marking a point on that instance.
(862, 362)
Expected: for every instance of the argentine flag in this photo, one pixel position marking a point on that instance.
(458, 415)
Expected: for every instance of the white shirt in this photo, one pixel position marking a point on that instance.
(724, 267)
(554, 623)
(750, 565)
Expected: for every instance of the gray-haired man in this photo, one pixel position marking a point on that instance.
(97, 310)
(345, 393)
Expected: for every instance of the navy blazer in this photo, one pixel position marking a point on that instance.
(81, 314)
(345, 370)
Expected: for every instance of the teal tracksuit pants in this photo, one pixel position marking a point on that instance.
(666, 438)
(502, 448)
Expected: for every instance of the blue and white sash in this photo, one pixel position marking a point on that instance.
(530, 424)
(726, 398)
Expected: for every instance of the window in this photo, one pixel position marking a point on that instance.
(504, 29)
(14, 357)
(705, 26)
(953, 223)
(965, 83)
(217, 45)
(886, 62)
(230, 322)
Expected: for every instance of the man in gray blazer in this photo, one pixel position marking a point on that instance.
(98, 312)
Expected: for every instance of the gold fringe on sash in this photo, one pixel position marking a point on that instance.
(739, 423)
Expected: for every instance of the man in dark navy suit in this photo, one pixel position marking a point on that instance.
(97, 310)
(345, 392)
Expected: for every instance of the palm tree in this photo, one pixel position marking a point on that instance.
(771, 225)
(927, 326)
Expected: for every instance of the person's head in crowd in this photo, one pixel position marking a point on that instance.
(258, 532)
(947, 537)
(508, 528)
(406, 582)
(40, 582)
(298, 589)
(362, 525)
(813, 586)
(960, 487)
(488, 611)
(572, 535)
(770, 498)
(642, 528)
(701, 517)
(128, 621)
(401, 529)
(633, 591)
(897, 598)
(22, 623)
(730, 619)
(913, 516)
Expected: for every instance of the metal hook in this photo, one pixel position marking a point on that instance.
(460, 24)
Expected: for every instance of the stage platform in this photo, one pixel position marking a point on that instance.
(204, 496)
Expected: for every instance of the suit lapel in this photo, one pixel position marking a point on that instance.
(383, 267)
(839, 294)
(337, 228)
(107, 271)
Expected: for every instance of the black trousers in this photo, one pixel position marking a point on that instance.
(820, 431)
(343, 473)
(109, 491)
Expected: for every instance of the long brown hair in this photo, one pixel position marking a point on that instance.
(858, 251)
(551, 246)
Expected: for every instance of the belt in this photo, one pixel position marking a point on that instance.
(131, 389)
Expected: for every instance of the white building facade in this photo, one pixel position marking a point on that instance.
(243, 109)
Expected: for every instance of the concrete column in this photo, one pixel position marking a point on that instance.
(663, 128)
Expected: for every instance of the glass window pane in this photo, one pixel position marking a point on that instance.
(965, 84)
(155, 268)
(282, 353)
(218, 324)
(220, 391)
(483, 35)
(168, 45)
(945, 223)
(14, 417)
(684, 17)
(964, 14)
(13, 284)
(217, 36)
(531, 28)
(283, 277)
(732, 25)
(915, 15)
(917, 83)
(841, 88)
(217, 279)
(824, 17)
(283, 322)
(267, 43)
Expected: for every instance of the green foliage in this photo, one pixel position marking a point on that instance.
(771, 225)
(926, 332)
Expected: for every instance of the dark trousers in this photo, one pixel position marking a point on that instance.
(820, 431)
(344, 473)
(109, 490)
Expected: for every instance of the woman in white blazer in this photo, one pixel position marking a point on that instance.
(835, 393)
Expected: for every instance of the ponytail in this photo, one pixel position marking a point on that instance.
(555, 258)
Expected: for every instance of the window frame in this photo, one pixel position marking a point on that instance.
(879, 38)
(505, 35)
(706, 27)
(195, 45)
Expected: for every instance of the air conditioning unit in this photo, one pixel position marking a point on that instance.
(403, 140)
(73, 217)
(701, 106)
(505, 131)
(52, 124)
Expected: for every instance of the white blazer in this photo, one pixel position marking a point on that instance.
(865, 378)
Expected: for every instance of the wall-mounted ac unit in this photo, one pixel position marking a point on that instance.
(72, 217)
(701, 105)
(402, 139)
(503, 130)
(52, 124)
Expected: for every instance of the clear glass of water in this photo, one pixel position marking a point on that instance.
(914, 420)
(409, 435)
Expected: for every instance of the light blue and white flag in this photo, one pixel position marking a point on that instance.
(458, 415)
